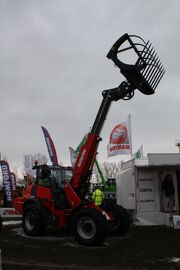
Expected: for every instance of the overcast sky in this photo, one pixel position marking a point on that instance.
(53, 68)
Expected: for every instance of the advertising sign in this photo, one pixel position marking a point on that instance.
(120, 139)
(9, 212)
(6, 181)
(176, 222)
(146, 195)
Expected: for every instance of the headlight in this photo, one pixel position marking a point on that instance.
(105, 214)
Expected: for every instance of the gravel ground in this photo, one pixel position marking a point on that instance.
(143, 247)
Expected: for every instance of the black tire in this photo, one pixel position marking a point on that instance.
(120, 223)
(32, 221)
(89, 227)
(1, 225)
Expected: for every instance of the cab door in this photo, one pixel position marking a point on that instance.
(43, 188)
(44, 194)
(59, 177)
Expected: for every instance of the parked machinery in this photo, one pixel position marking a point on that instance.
(65, 204)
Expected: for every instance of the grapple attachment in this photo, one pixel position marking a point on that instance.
(146, 70)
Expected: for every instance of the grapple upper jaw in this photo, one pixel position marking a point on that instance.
(146, 72)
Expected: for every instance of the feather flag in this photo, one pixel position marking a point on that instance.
(74, 153)
(73, 156)
(13, 180)
(139, 153)
(7, 184)
(50, 147)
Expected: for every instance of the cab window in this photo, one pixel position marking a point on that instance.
(43, 181)
(60, 176)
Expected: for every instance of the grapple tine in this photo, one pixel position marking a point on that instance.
(145, 56)
(157, 69)
(149, 64)
(156, 80)
(142, 53)
(152, 68)
(150, 51)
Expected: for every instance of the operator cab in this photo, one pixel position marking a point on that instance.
(49, 184)
(49, 175)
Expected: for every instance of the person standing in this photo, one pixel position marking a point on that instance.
(169, 191)
(98, 196)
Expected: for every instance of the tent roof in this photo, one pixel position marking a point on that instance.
(154, 160)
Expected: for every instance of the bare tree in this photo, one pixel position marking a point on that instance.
(4, 158)
(109, 170)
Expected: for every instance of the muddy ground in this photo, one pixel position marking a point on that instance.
(152, 247)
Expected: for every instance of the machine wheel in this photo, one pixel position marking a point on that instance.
(32, 221)
(89, 227)
(120, 223)
(1, 226)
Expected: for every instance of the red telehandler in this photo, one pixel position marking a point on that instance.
(61, 200)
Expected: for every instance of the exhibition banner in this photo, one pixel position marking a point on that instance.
(120, 139)
(50, 147)
(74, 153)
(139, 153)
(73, 156)
(13, 181)
(7, 182)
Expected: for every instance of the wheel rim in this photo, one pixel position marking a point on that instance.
(29, 221)
(86, 228)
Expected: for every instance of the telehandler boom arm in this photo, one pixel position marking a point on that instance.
(144, 75)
